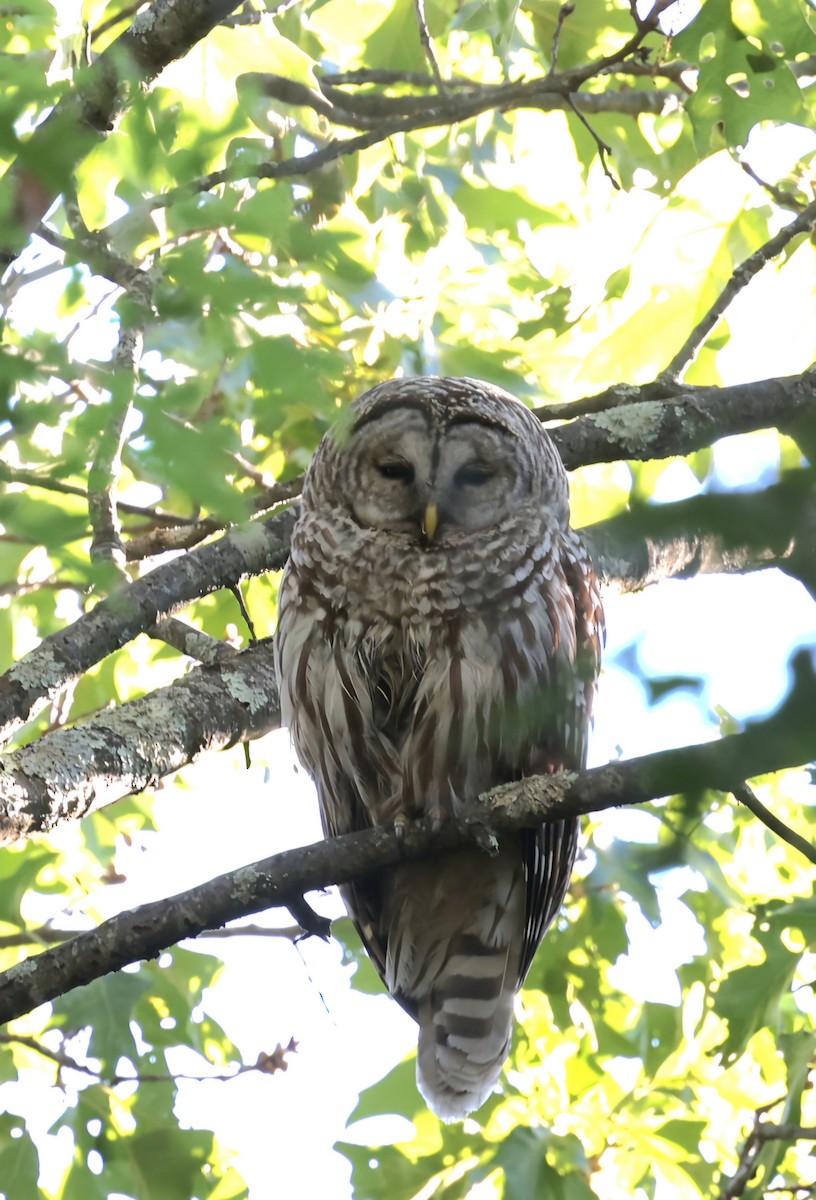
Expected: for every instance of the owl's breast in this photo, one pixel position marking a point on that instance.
(365, 576)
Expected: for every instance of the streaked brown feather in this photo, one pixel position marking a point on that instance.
(415, 676)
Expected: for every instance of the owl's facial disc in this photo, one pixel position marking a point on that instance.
(405, 474)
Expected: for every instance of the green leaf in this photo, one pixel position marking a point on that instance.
(19, 1162)
(106, 1006)
(736, 88)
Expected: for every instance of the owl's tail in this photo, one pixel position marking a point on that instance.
(465, 1027)
(455, 931)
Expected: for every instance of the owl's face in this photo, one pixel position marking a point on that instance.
(435, 459)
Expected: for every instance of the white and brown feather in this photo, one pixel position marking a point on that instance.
(416, 673)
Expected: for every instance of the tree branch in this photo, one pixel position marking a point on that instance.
(267, 1063)
(696, 417)
(704, 535)
(785, 739)
(747, 796)
(717, 533)
(68, 773)
(741, 277)
(28, 686)
(762, 1132)
(547, 94)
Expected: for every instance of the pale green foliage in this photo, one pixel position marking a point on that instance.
(499, 249)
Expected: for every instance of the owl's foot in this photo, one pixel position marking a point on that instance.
(312, 923)
(486, 840)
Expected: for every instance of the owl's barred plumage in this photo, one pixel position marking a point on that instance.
(439, 633)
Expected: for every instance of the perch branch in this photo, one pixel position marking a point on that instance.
(787, 738)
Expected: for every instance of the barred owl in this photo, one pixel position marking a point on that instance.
(439, 633)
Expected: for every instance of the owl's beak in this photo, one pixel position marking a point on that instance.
(430, 522)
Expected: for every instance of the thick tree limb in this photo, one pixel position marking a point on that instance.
(713, 534)
(70, 772)
(650, 429)
(63, 656)
(785, 739)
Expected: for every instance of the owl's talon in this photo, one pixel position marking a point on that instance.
(401, 823)
(486, 840)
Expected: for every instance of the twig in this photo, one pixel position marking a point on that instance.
(427, 44)
(19, 279)
(761, 1132)
(239, 596)
(66, 1062)
(106, 542)
(191, 533)
(33, 478)
(95, 250)
(603, 148)
(124, 14)
(651, 20)
(288, 933)
(742, 275)
(566, 10)
(137, 282)
(256, 16)
(783, 198)
(49, 935)
(745, 795)
(797, 1190)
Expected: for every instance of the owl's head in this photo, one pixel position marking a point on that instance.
(437, 458)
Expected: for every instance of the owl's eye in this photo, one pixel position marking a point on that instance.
(397, 469)
(473, 476)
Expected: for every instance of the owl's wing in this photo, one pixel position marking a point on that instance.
(549, 852)
(342, 811)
